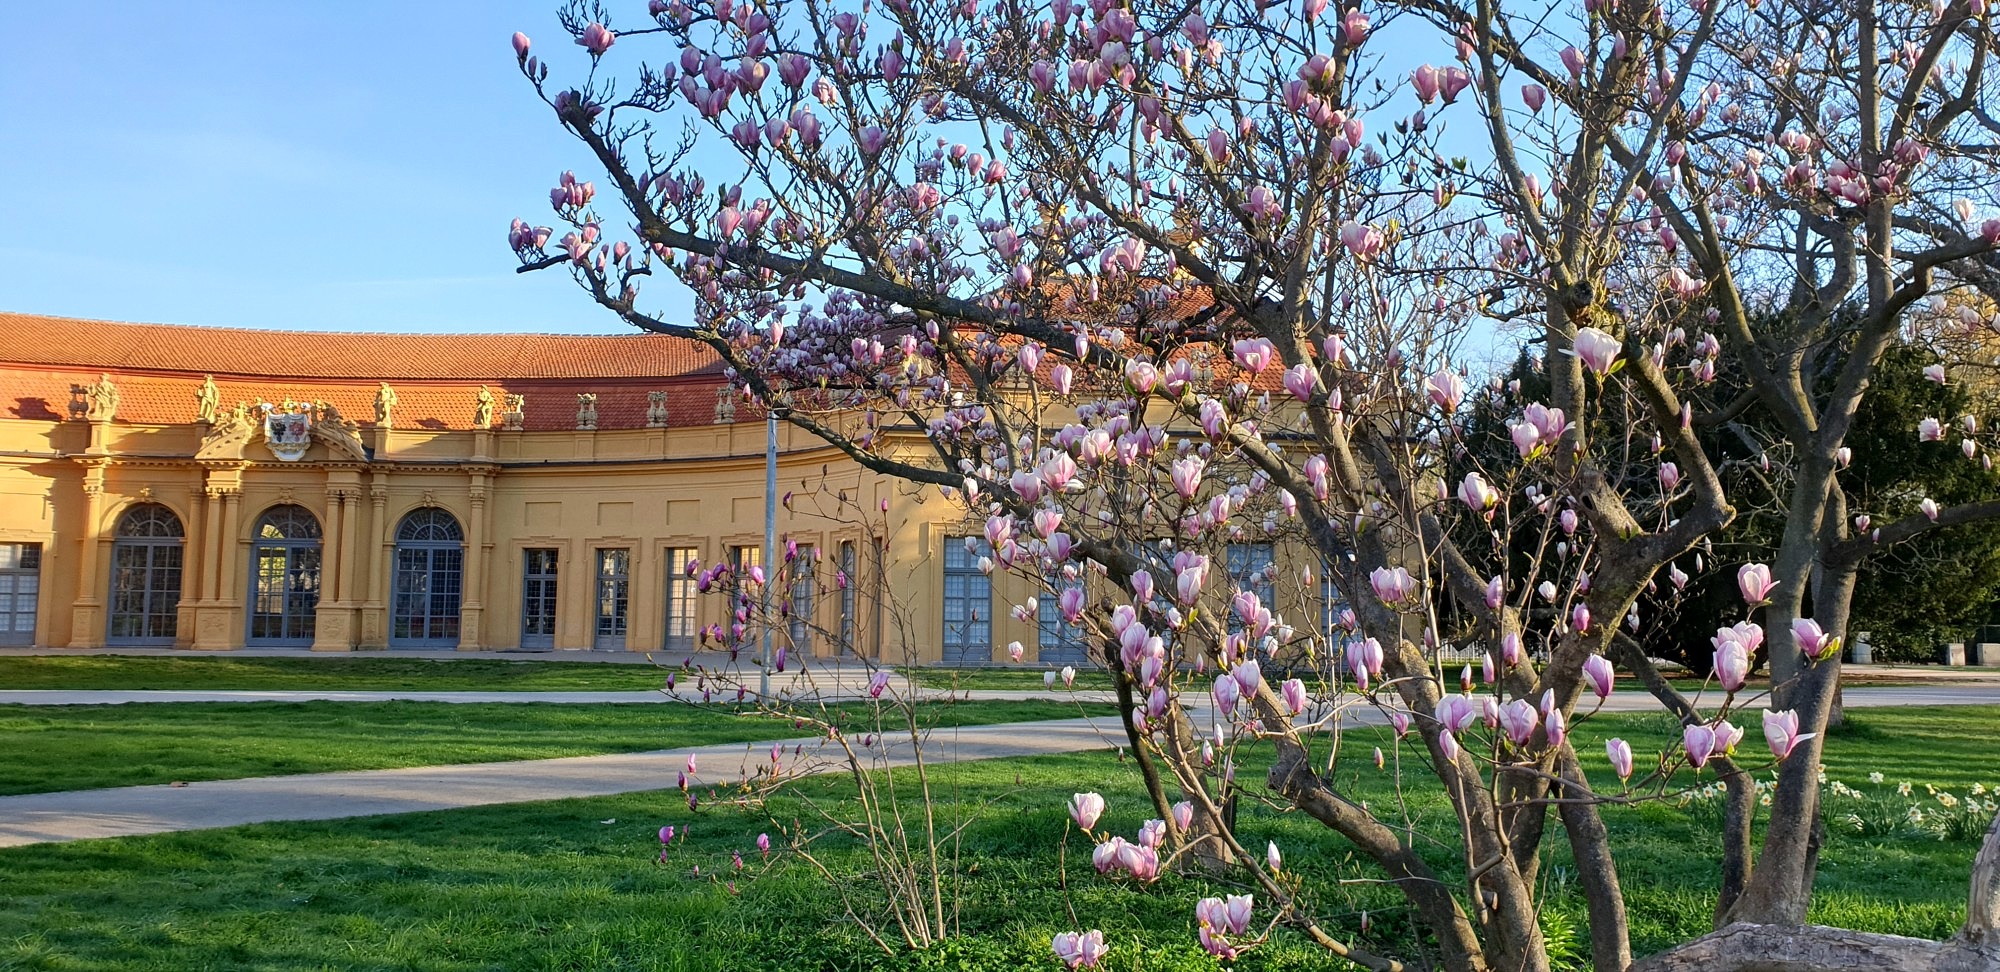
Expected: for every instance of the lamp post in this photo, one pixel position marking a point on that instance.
(770, 543)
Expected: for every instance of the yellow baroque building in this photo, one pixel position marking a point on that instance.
(215, 488)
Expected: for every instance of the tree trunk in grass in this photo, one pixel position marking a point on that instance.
(1750, 947)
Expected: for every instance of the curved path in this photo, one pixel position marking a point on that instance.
(127, 811)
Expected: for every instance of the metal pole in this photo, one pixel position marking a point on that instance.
(770, 544)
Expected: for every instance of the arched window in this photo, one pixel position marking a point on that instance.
(150, 521)
(284, 577)
(288, 523)
(430, 575)
(146, 558)
(429, 524)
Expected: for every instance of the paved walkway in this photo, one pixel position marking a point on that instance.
(127, 811)
(133, 810)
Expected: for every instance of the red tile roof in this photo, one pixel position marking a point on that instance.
(109, 346)
(158, 370)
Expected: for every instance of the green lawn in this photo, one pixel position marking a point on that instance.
(342, 672)
(59, 747)
(555, 886)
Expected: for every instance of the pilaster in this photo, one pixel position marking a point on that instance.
(472, 609)
(333, 621)
(374, 630)
(86, 624)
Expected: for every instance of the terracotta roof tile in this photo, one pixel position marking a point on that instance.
(158, 370)
(109, 346)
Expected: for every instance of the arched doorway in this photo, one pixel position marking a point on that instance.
(430, 573)
(146, 558)
(284, 578)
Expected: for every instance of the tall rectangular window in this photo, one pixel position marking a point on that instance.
(681, 627)
(20, 585)
(538, 597)
(1250, 570)
(1061, 643)
(968, 602)
(849, 561)
(614, 587)
(742, 558)
(805, 598)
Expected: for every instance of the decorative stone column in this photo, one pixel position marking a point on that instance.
(472, 609)
(374, 632)
(333, 620)
(216, 626)
(86, 619)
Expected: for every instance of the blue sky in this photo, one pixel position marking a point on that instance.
(345, 165)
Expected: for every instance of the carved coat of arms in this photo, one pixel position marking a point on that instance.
(288, 434)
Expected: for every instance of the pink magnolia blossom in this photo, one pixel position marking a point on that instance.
(1598, 672)
(1262, 204)
(1271, 856)
(1683, 284)
(1732, 662)
(1534, 96)
(1188, 582)
(1393, 585)
(1812, 641)
(1555, 727)
(1527, 439)
(1354, 27)
(1079, 951)
(1364, 659)
(1930, 430)
(1929, 507)
(1227, 694)
(1597, 350)
(1727, 735)
(520, 46)
(1754, 582)
(1426, 80)
(1294, 692)
(1361, 239)
(1699, 743)
(1573, 60)
(1476, 495)
(1140, 861)
(1249, 678)
(1254, 355)
(1620, 753)
(1301, 380)
(1217, 144)
(1456, 713)
(596, 38)
(1519, 719)
(1781, 732)
(1085, 808)
(1445, 389)
(1455, 80)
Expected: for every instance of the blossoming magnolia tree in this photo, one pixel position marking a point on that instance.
(1149, 286)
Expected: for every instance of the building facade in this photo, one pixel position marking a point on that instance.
(214, 489)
